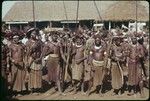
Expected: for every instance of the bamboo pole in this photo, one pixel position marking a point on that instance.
(77, 13)
(33, 9)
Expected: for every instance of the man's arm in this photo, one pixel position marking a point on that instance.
(81, 60)
(8, 61)
(84, 57)
(62, 53)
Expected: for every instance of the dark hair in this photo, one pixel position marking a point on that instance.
(97, 36)
(141, 40)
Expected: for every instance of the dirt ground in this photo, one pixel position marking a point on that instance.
(49, 94)
(79, 96)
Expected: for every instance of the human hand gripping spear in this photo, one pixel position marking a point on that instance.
(108, 51)
(65, 56)
(67, 51)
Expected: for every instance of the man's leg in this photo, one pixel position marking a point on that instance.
(141, 88)
(59, 86)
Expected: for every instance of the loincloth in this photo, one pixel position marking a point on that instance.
(53, 67)
(53, 60)
(117, 75)
(36, 66)
(98, 63)
(77, 71)
(98, 73)
(53, 55)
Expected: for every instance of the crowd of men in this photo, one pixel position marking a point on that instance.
(85, 60)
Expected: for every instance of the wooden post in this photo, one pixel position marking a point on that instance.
(128, 24)
(9, 26)
(109, 25)
(50, 24)
(63, 25)
(33, 13)
(20, 27)
(136, 17)
(77, 14)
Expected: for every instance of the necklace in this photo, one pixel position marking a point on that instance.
(134, 45)
(97, 47)
(78, 46)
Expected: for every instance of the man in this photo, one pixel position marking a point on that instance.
(117, 57)
(34, 61)
(125, 44)
(144, 55)
(17, 51)
(78, 64)
(147, 61)
(44, 59)
(97, 59)
(90, 41)
(5, 67)
(87, 70)
(52, 51)
(135, 70)
(65, 50)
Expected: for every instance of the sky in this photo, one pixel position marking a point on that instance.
(6, 6)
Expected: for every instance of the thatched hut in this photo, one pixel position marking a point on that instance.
(125, 12)
(52, 13)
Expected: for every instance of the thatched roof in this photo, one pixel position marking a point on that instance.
(126, 10)
(54, 11)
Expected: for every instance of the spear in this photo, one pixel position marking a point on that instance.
(108, 51)
(33, 8)
(67, 61)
